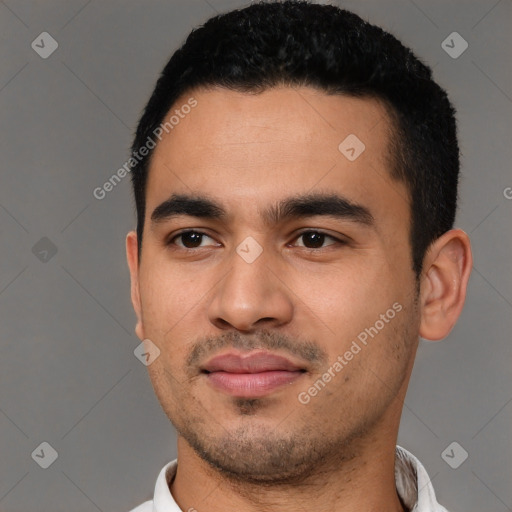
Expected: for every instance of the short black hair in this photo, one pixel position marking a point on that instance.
(297, 43)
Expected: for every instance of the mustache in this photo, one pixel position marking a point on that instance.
(306, 350)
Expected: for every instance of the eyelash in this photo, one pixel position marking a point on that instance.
(338, 241)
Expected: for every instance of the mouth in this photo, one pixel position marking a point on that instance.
(251, 376)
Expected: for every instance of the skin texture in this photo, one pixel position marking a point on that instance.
(248, 152)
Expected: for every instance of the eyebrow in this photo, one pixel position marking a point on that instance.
(296, 207)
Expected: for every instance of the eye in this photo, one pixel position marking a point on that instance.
(315, 239)
(190, 239)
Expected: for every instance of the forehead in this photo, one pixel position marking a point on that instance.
(251, 149)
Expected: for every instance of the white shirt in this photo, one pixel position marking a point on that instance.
(412, 484)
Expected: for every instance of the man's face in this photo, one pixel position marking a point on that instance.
(328, 274)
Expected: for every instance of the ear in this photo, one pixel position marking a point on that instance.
(447, 266)
(132, 255)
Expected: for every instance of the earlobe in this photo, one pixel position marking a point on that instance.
(447, 267)
(132, 257)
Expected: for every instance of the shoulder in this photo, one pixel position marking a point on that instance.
(162, 497)
(145, 507)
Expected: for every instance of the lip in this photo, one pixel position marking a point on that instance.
(255, 362)
(253, 375)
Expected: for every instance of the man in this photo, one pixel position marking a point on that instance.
(295, 177)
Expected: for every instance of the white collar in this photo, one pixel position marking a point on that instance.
(413, 483)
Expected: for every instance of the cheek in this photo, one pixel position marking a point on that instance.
(347, 298)
(171, 304)
(168, 295)
(372, 365)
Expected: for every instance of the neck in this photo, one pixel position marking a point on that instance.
(360, 477)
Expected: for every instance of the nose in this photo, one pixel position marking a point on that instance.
(251, 296)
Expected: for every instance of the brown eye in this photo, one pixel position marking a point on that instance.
(189, 239)
(314, 239)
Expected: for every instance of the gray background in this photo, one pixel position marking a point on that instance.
(68, 373)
